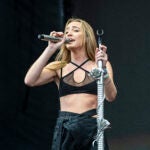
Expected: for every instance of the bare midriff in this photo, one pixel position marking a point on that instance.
(78, 103)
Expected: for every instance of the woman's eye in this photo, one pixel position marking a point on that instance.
(76, 30)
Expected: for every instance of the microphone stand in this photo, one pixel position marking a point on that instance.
(102, 124)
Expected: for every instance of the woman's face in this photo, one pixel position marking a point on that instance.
(75, 33)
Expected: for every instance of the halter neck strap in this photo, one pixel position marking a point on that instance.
(79, 66)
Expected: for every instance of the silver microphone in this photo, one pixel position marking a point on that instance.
(45, 37)
(100, 64)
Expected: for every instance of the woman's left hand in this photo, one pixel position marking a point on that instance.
(101, 55)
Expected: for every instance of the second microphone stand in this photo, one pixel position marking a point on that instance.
(102, 124)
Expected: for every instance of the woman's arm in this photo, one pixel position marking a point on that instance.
(109, 86)
(37, 74)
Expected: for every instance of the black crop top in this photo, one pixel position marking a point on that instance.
(69, 86)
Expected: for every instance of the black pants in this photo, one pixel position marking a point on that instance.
(75, 131)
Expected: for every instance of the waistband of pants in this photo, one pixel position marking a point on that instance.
(66, 114)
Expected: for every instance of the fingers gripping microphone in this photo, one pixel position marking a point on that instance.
(45, 37)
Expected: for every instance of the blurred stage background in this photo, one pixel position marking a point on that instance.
(28, 115)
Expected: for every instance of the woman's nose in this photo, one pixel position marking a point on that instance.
(69, 33)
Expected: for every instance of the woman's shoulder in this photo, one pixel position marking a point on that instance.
(108, 64)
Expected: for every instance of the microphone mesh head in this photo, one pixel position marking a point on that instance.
(40, 36)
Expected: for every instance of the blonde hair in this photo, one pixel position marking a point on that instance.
(89, 42)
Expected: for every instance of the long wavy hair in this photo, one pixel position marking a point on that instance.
(89, 42)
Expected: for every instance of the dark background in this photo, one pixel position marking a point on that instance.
(28, 115)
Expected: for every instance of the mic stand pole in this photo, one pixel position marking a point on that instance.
(102, 124)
